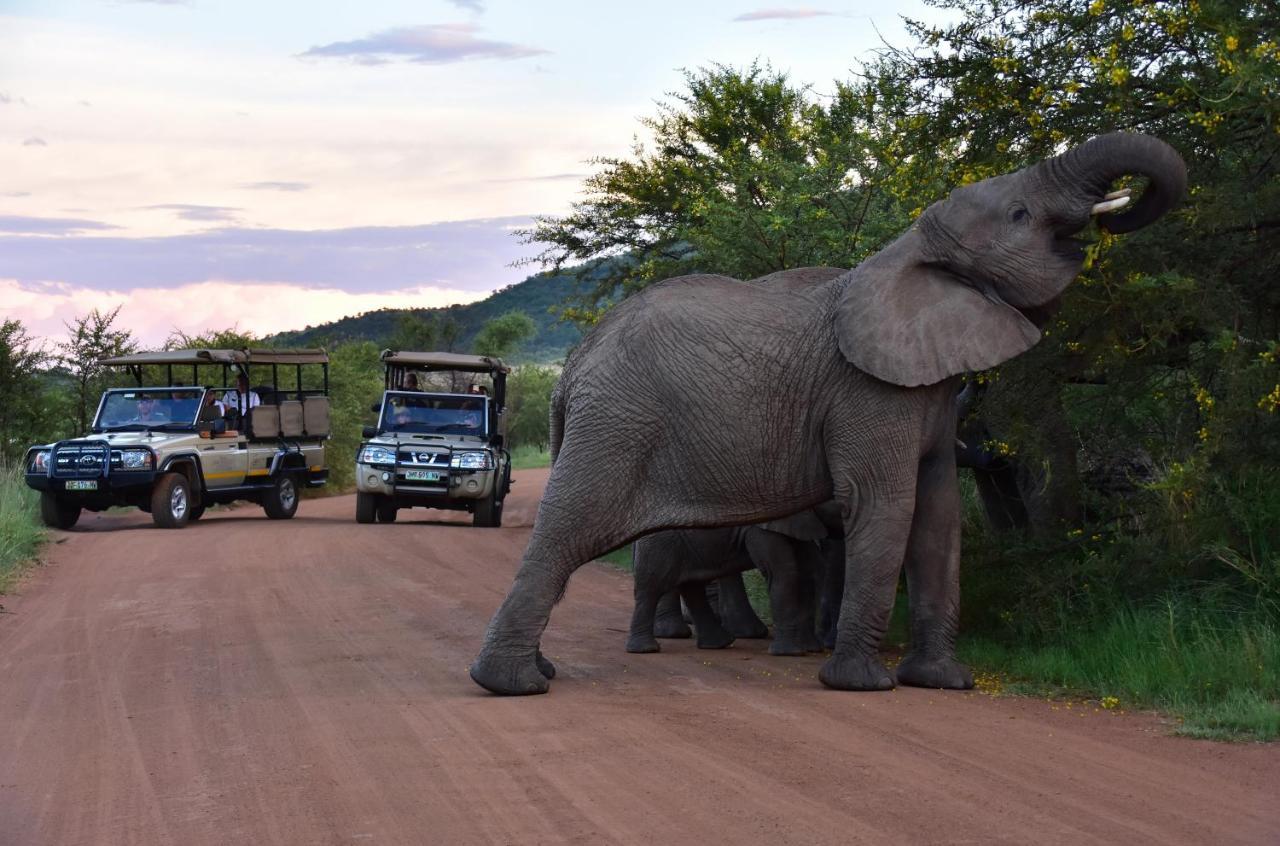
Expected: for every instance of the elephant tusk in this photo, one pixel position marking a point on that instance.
(1110, 205)
(1123, 192)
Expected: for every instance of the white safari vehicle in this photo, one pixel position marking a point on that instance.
(436, 449)
(175, 449)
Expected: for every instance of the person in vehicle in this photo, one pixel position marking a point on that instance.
(410, 383)
(213, 409)
(470, 415)
(241, 399)
(151, 411)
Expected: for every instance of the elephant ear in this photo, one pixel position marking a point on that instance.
(917, 325)
(804, 526)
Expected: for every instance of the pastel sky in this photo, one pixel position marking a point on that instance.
(270, 165)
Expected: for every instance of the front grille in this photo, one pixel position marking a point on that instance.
(82, 460)
(419, 459)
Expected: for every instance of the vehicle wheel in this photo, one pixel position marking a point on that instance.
(366, 507)
(488, 513)
(281, 502)
(56, 513)
(196, 512)
(171, 501)
(387, 511)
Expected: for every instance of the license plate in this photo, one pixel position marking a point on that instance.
(422, 476)
(82, 485)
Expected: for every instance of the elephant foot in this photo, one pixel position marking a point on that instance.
(512, 676)
(934, 671)
(713, 639)
(544, 666)
(747, 629)
(855, 672)
(674, 628)
(785, 648)
(811, 643)
(643, 645)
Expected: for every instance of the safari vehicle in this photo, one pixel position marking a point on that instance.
(435, 449)
(168, 450)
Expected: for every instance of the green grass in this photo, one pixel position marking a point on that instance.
(1216, 672)
(20, 529)
(529, 457)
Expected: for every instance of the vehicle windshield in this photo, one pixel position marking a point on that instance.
(435, 414)
(148, 408)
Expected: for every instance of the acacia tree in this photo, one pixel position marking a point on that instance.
(745, 174)
(1169, 343)
(21, 360)
(90, 338)
(503, 335)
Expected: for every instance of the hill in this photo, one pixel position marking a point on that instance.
(536, 296)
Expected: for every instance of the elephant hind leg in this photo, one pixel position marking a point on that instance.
(736, 614)
(563, 540)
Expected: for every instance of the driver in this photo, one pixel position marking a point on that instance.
(241, 399)
(470, 415)
(150, 410)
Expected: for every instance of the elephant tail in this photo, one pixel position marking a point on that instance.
(557, 418)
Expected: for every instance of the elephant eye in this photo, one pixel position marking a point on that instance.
(1019, 214)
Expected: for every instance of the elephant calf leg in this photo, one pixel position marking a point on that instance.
(641, 637)
(669, 619)
(711, 635)
(736, 614)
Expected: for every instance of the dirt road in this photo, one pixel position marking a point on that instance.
(247, 681)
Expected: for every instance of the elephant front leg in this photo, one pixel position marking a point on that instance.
(933, 581)
(668, 620)
(709, 632)
(736, 614)
(876, 535)
(641, 638)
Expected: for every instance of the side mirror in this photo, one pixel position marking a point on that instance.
(369, 432)
(217, 426)
(376, 408)
(496, 440)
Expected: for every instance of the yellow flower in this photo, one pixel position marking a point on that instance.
(1097, 7)
(1110, 702)
(1232, 43)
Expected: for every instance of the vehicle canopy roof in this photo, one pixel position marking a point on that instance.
(444, 361)
(198, 357)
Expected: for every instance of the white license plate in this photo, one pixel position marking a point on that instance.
(421, 476)
(82, 485)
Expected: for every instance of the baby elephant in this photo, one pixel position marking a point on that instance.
(686, 559)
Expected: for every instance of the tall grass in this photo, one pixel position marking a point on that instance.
(20, 529)
(529, 457)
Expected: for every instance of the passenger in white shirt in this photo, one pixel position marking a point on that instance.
(242, 399)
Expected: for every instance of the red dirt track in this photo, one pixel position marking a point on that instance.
(248, 681)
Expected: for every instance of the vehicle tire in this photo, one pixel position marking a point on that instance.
(57, 513)
(366, 507)
(196, 512)
(281, 501)
(488, 513)
(387, 510)
(171, 501)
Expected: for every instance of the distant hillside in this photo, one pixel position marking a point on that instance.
(535, 296)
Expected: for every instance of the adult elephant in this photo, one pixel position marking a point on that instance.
(844, 389)
(785, 550)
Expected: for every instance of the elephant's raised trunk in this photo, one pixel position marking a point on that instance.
(1097, 163)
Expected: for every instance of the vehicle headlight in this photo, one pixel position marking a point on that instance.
(40, 461)
(135, 459)
(472, 461)
(377, 455)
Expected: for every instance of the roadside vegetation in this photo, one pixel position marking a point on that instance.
(20, 529)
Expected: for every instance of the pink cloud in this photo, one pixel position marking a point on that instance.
(255, 307)
(782, 14)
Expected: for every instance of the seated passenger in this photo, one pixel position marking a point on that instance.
(151, 411)
(213, 409)
(242, 399)
(410, 383)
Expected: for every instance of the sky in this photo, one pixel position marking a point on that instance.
(207, 164)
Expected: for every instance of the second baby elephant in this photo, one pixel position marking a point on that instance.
(686, 559)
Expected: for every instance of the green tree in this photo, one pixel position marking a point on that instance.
(90, 338)
(745, 174)
(529, 390)
(503, 335)
(355, 378)
(21, 389)
(414, 331)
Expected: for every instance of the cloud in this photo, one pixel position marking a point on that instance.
(153, 313)
(782, 14)
(476, 6)
(21, 226)
(470, 255)
(432, 44)
(16, 194)
(35, 142)
(551, 177)
(276, 186)
(216, 214)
